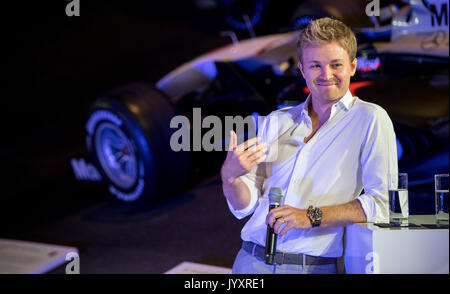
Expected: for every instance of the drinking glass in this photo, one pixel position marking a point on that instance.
(398, 199)
(441, 198)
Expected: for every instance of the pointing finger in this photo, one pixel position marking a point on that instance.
(233, 141)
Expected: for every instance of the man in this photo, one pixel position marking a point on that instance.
(327, 150)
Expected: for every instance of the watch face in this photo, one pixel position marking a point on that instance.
(316, 213)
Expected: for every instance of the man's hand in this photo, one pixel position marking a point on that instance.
(241, 159)
(293, 218)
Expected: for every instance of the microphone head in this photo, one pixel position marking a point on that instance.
(275, 196)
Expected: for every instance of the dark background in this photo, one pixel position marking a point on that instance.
(54, 67)
(57, 65)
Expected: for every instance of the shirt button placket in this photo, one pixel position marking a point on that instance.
(298, 170)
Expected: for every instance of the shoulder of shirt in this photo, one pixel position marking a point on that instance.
(369, 109)
(279, 119)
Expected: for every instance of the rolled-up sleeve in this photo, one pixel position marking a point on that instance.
(254, 184)
(378, 159)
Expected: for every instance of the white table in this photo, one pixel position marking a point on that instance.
(24, 257)
(371, 249)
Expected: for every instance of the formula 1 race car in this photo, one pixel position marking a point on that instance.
(402, 67)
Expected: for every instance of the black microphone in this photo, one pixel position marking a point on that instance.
(275, 198)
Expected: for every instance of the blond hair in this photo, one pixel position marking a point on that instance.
(325, 30)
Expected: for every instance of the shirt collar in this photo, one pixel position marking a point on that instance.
(345, 101)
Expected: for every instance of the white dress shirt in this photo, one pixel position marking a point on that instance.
(354, 150)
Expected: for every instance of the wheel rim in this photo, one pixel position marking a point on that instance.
(117, 155)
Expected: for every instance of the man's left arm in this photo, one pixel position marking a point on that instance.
(332, 216)
(343, 214)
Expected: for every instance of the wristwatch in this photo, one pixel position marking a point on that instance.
(315, 215)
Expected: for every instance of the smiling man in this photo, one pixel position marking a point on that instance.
(329, 149)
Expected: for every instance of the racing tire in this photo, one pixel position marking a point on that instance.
(128, 136)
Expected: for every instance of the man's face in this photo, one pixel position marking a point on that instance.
(327, 70)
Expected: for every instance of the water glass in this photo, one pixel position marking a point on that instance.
(398, 199)
(441, 198)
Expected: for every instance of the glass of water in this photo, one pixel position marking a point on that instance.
(398, 199)
(441, 198)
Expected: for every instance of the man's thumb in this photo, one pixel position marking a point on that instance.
(233, 141)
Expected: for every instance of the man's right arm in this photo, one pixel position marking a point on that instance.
(240, 160)
(237, 193)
